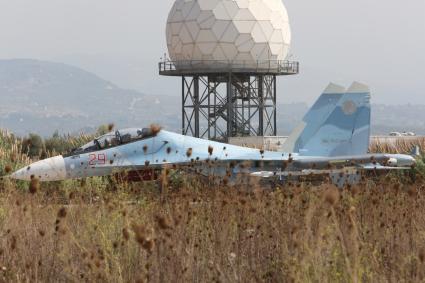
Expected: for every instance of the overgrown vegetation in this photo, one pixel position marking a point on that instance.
(100, 230)
(36, 147)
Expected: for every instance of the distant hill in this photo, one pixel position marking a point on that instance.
(42, 97)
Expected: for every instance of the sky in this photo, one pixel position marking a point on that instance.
(379, 42)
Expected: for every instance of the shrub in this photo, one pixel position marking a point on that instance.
(33, 145)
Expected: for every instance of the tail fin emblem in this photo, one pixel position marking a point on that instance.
(349, 107)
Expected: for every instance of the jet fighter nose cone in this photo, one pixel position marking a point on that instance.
(52, 169)
(17, 175)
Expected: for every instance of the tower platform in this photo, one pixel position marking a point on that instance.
(223, 99)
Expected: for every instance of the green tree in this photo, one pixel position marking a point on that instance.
(57, 144)
(34, 146)
(104, 129)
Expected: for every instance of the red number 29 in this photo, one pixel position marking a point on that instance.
(99, 159)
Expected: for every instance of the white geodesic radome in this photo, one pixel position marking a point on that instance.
(236, 32)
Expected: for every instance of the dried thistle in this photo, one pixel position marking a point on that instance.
(34, 185)
(125, 234)
(411, 191)
(162, 222)
(62, 212)
(13, 243)
(141, 236)
(331, 196)
(210, 150)
(148, 245)
(111, 126)
(139, 232)
(421, 255)
(8, 169)
(155, 129)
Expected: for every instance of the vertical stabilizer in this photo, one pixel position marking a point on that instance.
(314, 118)
(360, 139)
(338, 124)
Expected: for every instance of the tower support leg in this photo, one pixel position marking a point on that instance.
(229, 105)
(230, 108)
(260, 106)
(196, 105)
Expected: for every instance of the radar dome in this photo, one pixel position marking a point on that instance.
(246, 32)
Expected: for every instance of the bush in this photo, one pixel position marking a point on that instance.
(33, 146)
(58, 144)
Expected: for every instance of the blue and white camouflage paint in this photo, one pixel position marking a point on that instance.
(338, 124)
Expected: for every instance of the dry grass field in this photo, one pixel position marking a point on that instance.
(97, 230)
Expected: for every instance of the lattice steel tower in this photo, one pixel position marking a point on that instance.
(218, 103)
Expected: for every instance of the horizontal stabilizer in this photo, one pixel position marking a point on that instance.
(380, 167)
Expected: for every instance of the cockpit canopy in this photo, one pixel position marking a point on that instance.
(113, 139)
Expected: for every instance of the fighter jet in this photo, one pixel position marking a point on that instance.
(333, 139)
